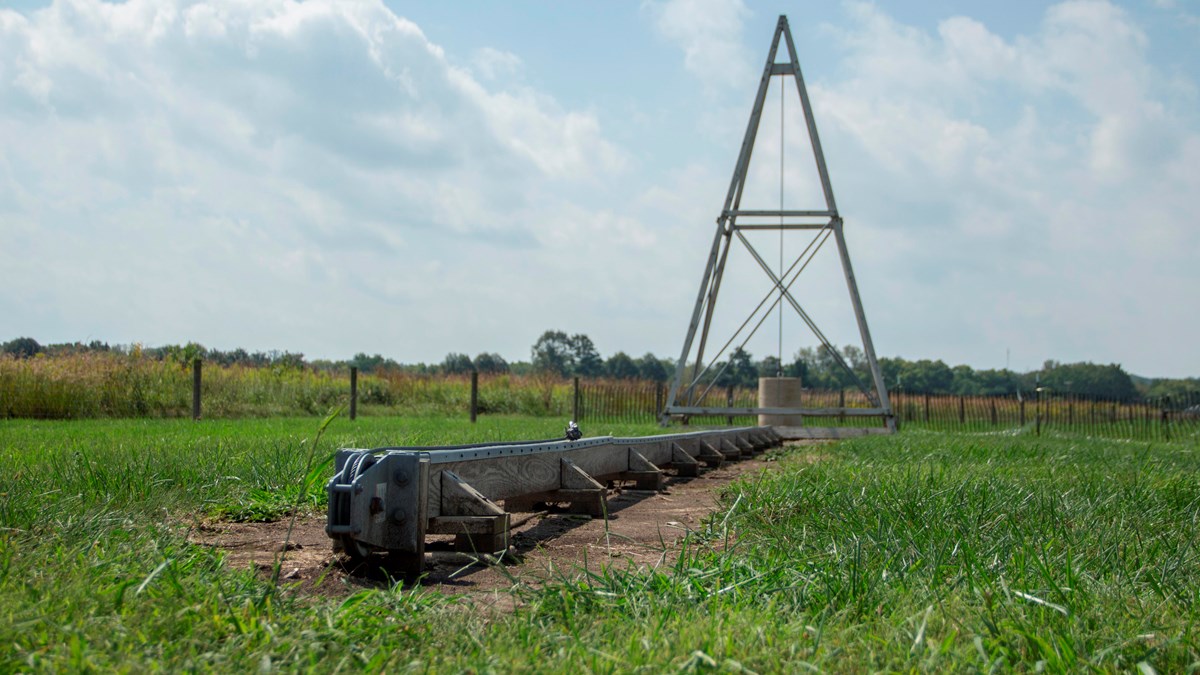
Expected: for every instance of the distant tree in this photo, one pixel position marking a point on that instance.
(1109, 382)
(457, 364)
(741, 371)
(769, 367)
(965, 382)
(232, 357)
(892, 370)
(1002, 382)
(22, 347)
(491, 363)
(287, 360)
(818, 368)
(650, 367)
(521, 368)
(553, 353)
(183, 355)
(798, 368)
(1180, 390)
(621, 367)
(587, 360)
(373, 364)
(927, 377)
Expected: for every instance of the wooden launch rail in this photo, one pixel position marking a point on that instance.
(389, 499)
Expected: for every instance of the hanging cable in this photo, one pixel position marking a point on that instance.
(782, 87)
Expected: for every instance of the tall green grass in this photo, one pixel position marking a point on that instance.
(109, 384)
(917, 552)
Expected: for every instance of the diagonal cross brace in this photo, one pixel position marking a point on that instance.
(786, 293)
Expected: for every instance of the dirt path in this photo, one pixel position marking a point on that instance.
(644, 529)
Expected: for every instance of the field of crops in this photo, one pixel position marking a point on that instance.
(923, 550)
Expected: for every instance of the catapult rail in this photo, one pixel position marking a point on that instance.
(389, 499)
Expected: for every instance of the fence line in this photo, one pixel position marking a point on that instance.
(108, 386)
(1152, 419)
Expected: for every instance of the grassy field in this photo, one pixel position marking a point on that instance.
(922, 551)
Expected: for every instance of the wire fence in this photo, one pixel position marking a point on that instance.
(1166, 418)
(108, 385)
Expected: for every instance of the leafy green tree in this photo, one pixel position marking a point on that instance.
(927, 377)
(1183, 389)
(491, 363)
(183, 355)
(798, 368)
(769, 367)
(650, 367)
(22, 347)
(1002, 382)
(741, 371)
(457, 364)
(587, 360)
(1109, 382)
(621, 367)
(965, 381)
(373, 364)
(553, 353)
(286, 360)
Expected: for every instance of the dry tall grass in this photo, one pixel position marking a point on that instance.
(99, 384)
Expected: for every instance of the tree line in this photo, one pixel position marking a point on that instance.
(560, 354)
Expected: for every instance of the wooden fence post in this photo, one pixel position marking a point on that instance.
(1022, 413)
(474, 395)
(658, 399)
(1037, 393)
(1166, 418)
(993, 412)
(575, 401)
(926, 408)
(842, 405)
(729, 403)
(196, 389)
(353, 392)
(962, 411)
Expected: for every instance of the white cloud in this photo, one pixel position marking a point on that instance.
(189, 170)
(494, 64)
(1041, 174)
(325, 177)
(710, 34)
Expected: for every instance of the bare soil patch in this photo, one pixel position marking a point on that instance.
(644, 529)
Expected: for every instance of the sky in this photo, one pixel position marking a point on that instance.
(1019, 181)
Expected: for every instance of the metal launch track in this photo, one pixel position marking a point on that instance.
(389, 499)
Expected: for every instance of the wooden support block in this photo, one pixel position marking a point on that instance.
(683, 463)
(481, 543)
(589, 503)
(581, 492)
(460, 499)
(468, 524)
(711, 456)
(479, 524)
(643, 471)
(571, 477)
(728, 449)
(746, 446)
(763, 438)
(474, 534)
